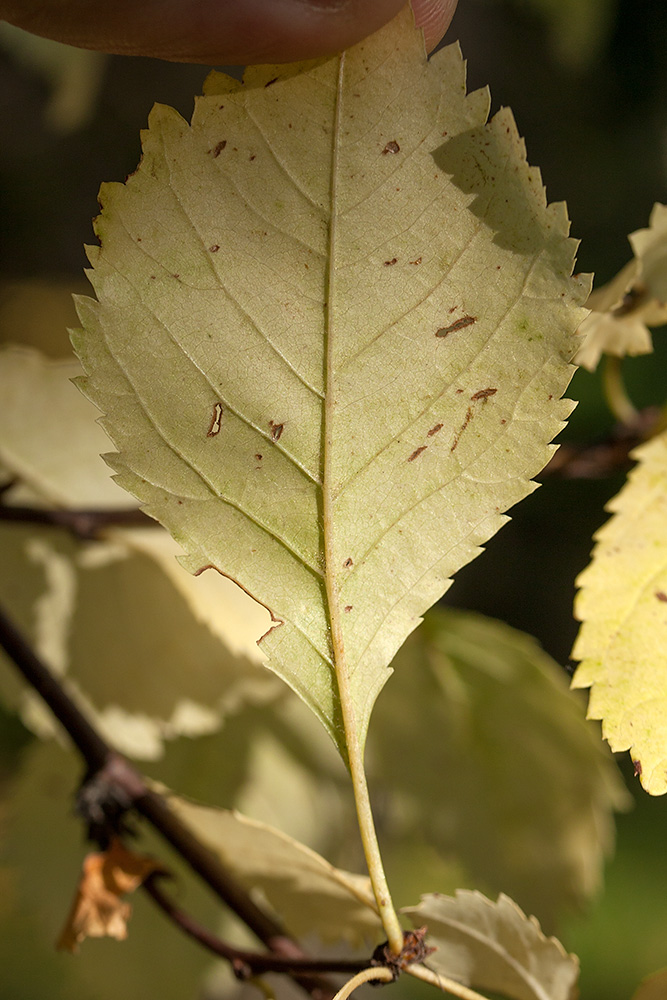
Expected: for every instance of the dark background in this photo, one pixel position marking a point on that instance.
(595, 120)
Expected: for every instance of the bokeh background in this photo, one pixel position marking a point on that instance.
(587, 81)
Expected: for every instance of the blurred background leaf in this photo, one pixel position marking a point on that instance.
(590, 95)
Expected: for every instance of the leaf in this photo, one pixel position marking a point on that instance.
(144, 662)
(650, 247)
(48, 436)
(511, 780)
(123, 596)
(309, 894)
(494, 946)
(298, 276)
(611, 329)
(98, 909)
(622, 604)
(623, 310)
(653, 987)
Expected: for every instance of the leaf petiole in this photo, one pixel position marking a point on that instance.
(443, 983)
(372, 974)
(615, 393)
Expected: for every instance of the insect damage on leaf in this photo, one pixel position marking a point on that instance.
(315, 182)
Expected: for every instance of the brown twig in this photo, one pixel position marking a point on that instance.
(113, 776)
(83, 524)
(245, 963)
(605, 457)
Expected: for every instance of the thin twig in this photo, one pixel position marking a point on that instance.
(246, 964)
(605, 457)
(115, 773)
(83, 524)
(443, 983)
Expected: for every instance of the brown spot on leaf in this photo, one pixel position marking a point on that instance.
(348, 563)
(217, 149)
(347, 608)
(388, 263)
(459, 391)
(416, 453)
(270, 82)
(391, 147)
(214, 248)
(458, 324)
(483, 394)
(258, 457)
(434, 430)
(216, 421)
(417, 261)
(252, 157)
(457, 436)
(661, 595)
(276, 430)
(637, 765)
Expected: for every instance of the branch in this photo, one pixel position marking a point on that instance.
(83, 524)
(605, 457)
(111, 776)
(246, 964)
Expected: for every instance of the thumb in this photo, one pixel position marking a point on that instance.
(231, 32)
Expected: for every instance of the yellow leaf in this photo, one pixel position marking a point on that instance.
(623, 607)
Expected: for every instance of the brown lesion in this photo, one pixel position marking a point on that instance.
(276, 430)
(457, 436)
(483, 394)
(391, 147)
(459, 324)
(416, 453)
(434, 430)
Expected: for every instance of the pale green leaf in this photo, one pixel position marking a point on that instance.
(635, 299)
(114, 614)
(309, 894)
(48, 435)
(623, 607)
(329, 365)
(504, 774)
(494, 946)
(145, 663)
(610, 328)
(650, 247)
(653, 987)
